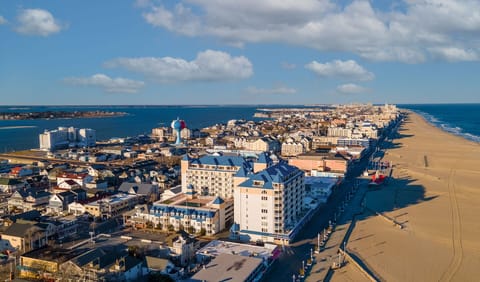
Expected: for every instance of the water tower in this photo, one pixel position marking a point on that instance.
(178, 125)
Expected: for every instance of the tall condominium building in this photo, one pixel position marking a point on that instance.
(64, 137)
(217, 175)
(268, 203)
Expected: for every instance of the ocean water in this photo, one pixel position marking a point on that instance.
(23, 134)
(459, 119)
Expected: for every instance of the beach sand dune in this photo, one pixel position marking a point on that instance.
(435, 194)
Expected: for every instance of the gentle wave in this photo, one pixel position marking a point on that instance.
(448, 127)
(18, 108)
(17, 127)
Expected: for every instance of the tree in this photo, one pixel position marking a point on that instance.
(170, 227)
(191, 230)
(203, 232)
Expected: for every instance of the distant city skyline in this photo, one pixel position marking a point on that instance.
(204, 52)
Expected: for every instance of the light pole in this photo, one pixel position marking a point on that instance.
(318, 242)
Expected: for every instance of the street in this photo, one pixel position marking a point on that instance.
(291, 259)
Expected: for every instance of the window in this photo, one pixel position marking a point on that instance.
(264, 198)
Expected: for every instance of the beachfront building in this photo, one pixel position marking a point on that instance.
(213, 175)
(252, 262)
(367, 143)
(320, 188)
(317, 161)
(268, 203)
(194, 214)
(64, 137)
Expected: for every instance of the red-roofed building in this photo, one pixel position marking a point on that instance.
(21, 171)
(79, 178)
(69, 184)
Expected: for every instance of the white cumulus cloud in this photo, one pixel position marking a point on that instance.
(114, 85)
(209, 65)
(453, 54)
(348, 70)
(265, 91)
(37, 22)
(406, 33)
(2, 20)
(351, 88)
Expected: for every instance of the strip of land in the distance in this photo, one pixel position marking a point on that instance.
(57, 115)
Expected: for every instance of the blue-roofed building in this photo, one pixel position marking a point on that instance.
(213, 175)
(268, 203)
(218, 174)
(188, 212)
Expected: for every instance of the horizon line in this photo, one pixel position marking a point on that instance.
(210, 105)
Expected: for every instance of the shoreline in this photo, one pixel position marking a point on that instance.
(14, 116)
(436, 201)
(427, 116)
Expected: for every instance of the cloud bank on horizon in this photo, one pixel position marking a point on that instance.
(228, 51)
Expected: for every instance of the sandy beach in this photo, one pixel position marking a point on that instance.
(435, 194)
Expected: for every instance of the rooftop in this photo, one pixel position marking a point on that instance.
(227, 267)
(53, 254)
(215, 248)
(114, 199)
(264, 179)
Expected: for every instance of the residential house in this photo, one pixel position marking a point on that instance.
(21, 171)
(10, 185)
(32, 215)
(103, 264)
(157, 265)
(28, 199)
(59, 202)
(44, 263)
(76, 208)
(80, 178)
(69, 184)
(183, 248)
(147, 192)
(25, 236)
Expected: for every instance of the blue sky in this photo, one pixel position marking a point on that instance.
(238, 52)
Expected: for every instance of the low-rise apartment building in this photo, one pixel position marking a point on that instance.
(111, 206)
(188, 212)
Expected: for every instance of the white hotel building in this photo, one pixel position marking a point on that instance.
(268, 204)
(218, 175)
(64, 137)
